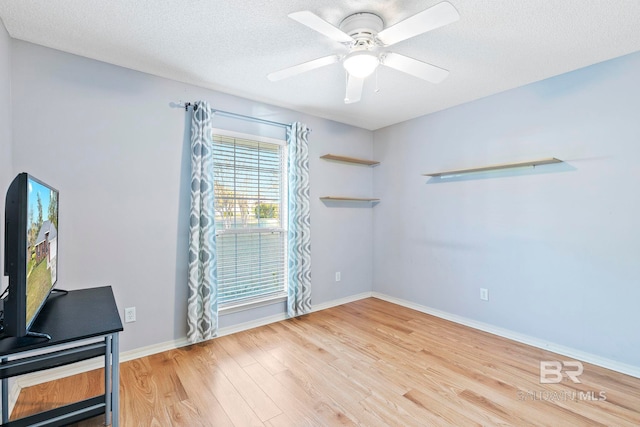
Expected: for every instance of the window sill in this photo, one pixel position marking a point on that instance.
(233, 307)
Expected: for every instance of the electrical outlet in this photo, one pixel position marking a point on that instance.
(337, 276)
(484, 294)
(129, 314)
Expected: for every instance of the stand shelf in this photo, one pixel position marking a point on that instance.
(532, 163)
(353, 160)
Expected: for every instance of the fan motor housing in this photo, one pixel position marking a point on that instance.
(362, 26)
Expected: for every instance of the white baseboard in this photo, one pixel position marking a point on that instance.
(573, 353)
(340, 301)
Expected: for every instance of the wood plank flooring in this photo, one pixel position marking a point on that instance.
(367, 363)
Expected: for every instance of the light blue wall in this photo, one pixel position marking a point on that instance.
(6, 171)
(558, 248)
(109, 140)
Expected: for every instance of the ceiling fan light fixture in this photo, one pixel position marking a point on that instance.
(361, 64)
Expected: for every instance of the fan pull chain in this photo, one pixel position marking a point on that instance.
(346, 84)
(377, 89)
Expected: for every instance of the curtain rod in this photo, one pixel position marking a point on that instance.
(239, 116)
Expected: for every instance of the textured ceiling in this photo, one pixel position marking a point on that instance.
(231, 46)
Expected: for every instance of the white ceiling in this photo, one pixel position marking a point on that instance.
(231, 46)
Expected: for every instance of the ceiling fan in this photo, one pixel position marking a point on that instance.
(364, 35)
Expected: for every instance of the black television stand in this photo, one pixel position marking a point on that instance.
(83, 325)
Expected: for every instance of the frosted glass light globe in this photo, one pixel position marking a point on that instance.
(360, 64)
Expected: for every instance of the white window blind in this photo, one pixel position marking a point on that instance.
(250, 207)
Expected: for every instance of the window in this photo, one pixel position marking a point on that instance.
(250, 188)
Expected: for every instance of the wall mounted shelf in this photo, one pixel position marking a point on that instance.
(348, 199)
(355, 161)
(349, 160)
(532, 163)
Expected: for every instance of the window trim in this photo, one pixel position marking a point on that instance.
(259, 301)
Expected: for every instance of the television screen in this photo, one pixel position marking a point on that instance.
(31, 252)
(42, 245)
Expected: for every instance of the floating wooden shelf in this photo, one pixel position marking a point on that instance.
(347, 199)
(532, 163)
(350, 160)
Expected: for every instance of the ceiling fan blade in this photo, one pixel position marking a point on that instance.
(354, 90)
(314, 22)
(429, 19)
(416, 68)
(304, 67)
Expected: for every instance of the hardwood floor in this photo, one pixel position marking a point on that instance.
(369, 363)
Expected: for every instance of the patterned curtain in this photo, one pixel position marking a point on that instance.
(202, 314)
(299, 292)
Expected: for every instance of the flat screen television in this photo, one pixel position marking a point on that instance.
(30, 252)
